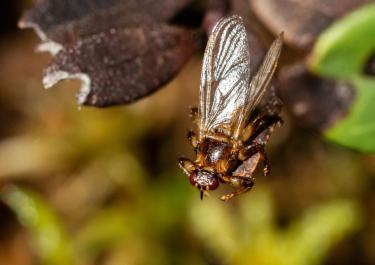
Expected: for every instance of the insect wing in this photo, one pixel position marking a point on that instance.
(225, 77)
(259, 83)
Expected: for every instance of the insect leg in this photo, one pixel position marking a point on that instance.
(193, 139)
(259, 126)
(247, 132)
(245, 185)
(186, 165)
(253, 149)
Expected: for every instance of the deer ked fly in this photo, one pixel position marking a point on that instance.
(230, 140)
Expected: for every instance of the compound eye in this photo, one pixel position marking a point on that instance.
(214, 183)
(193, 179)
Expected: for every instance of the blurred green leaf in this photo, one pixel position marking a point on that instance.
(48, 236)
(311, 237)
(101, 232)
(357, 130)
(169, 197)
(35, 155)
(250, 236)
(341, 52)
(142, 223)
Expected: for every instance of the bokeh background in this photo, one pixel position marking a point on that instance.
(102, 186)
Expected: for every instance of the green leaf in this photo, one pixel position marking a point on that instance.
(342, 50)
(341, 53)
(49, 239)
(357, 130)
(320, 228)
(248, 234)
(102, 231)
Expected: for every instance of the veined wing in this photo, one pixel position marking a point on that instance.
(259, 83)
(225, 77)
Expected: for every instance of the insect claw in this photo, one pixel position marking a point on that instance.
(186, 165)
(266, 170)
(193, 112)
(226, 198)
(190, 134)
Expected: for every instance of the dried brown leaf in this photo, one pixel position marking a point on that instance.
(315, 102)
(302, 20)
(121, 65)
(120, 50)
(48, 14)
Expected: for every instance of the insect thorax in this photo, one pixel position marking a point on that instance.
(215, 153)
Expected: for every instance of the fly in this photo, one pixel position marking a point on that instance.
(230, 140)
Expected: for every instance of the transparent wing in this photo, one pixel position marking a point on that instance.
(225, 76)
(259, 83)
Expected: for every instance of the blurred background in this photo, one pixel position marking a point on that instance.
(102, 186)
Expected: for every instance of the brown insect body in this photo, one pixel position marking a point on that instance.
(230, 144)
(220, 159)
(216, 153)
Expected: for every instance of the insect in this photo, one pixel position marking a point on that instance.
(230, 140)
